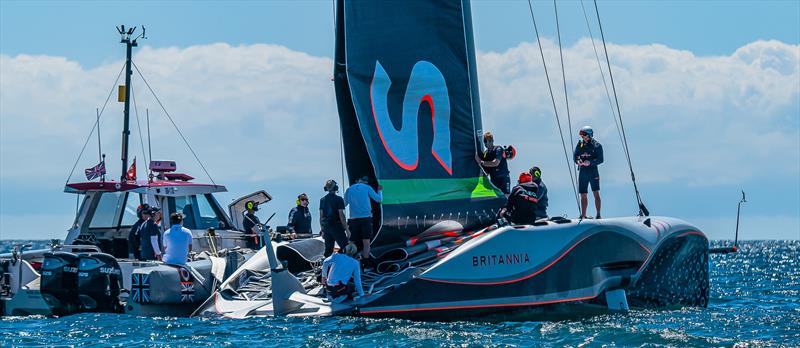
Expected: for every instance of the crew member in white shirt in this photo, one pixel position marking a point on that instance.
(337, 270)
(177, 241)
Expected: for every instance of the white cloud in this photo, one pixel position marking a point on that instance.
(704, 120)
(264, 113)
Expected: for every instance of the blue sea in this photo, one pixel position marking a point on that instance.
(755, 301)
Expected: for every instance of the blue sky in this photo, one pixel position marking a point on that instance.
(704, 165)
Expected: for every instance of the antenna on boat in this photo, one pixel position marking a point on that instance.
(735, 247)
(149, 145)
(130, 41)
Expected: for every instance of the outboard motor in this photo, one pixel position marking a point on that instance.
(99, 283)
(59, 282)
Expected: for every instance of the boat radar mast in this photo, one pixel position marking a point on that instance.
(130, 41)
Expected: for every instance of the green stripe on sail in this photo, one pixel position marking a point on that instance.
(404, 191)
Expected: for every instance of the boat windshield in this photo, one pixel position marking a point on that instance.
(199, 212)
(115, 209)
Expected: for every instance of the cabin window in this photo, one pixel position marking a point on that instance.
(209, 217)
(107, 208)
(184, 206)
(199, 212)
(129, 214)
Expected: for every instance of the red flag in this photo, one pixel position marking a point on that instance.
(131, 174)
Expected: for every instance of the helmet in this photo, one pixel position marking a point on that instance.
(536, 173)
(251, 205)
(331, 185)
(588, 130)
(525, 177)
(509, 152)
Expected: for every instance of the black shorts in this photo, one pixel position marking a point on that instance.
(360, 229)
(333, 234)
(586, 176)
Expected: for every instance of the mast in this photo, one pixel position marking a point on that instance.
(130, 42)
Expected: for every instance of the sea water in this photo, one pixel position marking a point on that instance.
(755, 301)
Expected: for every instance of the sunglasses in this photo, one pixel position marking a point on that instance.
(304, 199)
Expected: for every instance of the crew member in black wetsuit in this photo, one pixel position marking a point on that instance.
(134, 242)
(332, 219)
(300, 217)
(520, 208)
(251, 224)
(588, 154)
(495, 161)
(541, 206)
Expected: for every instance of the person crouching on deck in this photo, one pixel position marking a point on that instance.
(337, 270)
(521, 205)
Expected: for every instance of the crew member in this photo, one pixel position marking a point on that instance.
(358, 198)
(332, 219)
(150, 235)
(300, 217)
(521, 205)
(177, 241)
(337, 271)
(134, 245)
(495, 161)
(541, 206)
(251, 224)
(588, 154)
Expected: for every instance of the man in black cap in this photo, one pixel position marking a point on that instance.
(134, 239)
(251, 224)
(150, 236)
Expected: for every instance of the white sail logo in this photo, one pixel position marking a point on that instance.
(425, 85)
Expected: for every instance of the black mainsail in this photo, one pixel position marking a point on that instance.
(407, 92)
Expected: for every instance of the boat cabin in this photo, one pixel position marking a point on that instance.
(108, 211)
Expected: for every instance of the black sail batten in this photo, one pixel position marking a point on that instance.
(406, 87)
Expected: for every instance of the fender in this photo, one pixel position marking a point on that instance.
(425, 85)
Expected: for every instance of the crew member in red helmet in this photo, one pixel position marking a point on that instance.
(521, 206)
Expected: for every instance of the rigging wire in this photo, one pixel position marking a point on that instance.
(173, 123)
(603, 77)
(564, 78)
(139, 127)
(555, 109)
(642, 209)
(96, 122)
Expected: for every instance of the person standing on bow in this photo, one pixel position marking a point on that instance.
(358, 197)
(494, 161)
(300, 217)
(251, 225)
(588, 155)
(332, 219)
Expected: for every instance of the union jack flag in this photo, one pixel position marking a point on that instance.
(187, 292)
(96, 171)
(140, 289)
